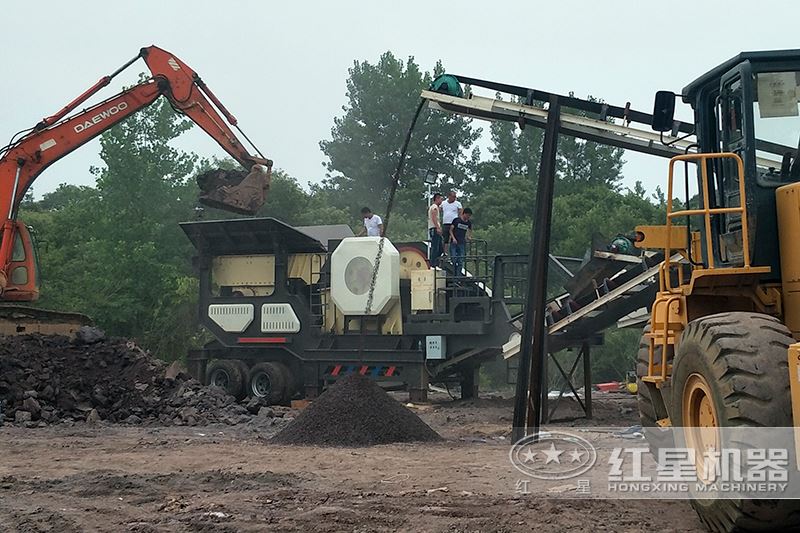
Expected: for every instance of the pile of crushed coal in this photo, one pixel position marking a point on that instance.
(54, 379)
(355, 411)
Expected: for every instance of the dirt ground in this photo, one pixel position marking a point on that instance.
(230, 479)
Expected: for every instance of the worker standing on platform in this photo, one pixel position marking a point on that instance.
(373, 225)
(451, 210)
(435, 232)
(460, 234)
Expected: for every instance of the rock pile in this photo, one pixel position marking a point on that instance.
(355, 411)
(52, 379)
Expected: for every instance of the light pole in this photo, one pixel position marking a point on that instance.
(430, 178)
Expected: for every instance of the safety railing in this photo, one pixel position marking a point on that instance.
(473, 279)
(319, 306)
(662, 337)
(707, 211)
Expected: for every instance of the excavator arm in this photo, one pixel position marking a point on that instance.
(23, 160)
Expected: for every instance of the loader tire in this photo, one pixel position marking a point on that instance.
(229, 375)
(737, 364)
(268, 381)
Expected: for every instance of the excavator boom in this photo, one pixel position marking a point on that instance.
(56, 136)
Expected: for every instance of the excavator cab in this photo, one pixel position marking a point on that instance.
(23, 271)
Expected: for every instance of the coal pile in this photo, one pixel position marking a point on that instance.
(355, 411)
(52, 379)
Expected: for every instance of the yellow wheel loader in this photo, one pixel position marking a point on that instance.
(721, 348)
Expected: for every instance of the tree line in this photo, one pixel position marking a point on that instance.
(115, 251)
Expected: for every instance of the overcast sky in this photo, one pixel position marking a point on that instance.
(281, 67)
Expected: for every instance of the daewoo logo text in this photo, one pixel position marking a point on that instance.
(100, 117)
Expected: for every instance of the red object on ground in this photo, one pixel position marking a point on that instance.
(610, 386)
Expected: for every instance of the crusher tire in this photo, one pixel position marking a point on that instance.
(289, 380)
(268, 381)
(742, 356)
(229, 375)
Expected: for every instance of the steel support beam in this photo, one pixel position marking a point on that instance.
(601, 109)
(591, 129)
(586, 351)
(530, 378)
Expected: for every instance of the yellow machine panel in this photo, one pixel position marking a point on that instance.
(252, 273)
(425, 285)
(655, 237)
(788, 203)
(305, 267)
(393, 321)
(422, 290)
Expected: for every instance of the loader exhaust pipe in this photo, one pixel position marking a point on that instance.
(235, 190)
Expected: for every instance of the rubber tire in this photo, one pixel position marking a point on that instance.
(289, 380)
(277, 377)
(236, 376)
(743, 357)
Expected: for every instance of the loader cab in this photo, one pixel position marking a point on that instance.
(749, 106)
(23, 281)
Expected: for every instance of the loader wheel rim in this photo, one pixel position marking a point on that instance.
(261, 385)
(699, 420)
(221, 379)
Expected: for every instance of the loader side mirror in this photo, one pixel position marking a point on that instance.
(664, 111)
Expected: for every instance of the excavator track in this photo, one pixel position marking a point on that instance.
(24, 320)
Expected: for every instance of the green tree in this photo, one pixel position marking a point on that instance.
(597, 209)
(584, 163)
(514, 152)
(366, 140)
(289, 202)
(116, 252)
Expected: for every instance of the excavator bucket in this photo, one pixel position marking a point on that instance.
(235, 190)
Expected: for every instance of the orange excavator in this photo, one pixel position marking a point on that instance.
(31, 151)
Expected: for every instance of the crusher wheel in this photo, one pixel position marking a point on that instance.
(269, 381)
(228, 374)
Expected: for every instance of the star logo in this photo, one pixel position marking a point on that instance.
(575, 456)
(552, 455)
(529, 456)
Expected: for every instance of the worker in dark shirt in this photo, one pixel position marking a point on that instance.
(460, 234)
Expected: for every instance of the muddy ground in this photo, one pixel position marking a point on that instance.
(229, 479)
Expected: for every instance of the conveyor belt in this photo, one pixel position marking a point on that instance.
(633, 288)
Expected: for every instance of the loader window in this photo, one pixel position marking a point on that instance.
(776, 114)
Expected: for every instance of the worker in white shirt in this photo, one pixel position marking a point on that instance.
(451, 210)
(373, 225)
(435, 232)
